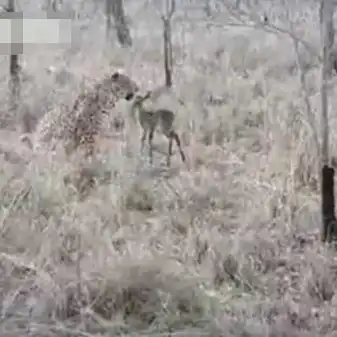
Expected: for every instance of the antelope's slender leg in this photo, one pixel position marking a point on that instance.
(143, 140)
(177, 139)
(169, 154)
(151, 144)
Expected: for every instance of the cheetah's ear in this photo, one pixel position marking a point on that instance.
(115, 75)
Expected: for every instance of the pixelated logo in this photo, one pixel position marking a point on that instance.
(18, 32)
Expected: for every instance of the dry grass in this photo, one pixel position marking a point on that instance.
(227, 245)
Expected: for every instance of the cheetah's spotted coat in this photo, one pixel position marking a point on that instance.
(80, 125)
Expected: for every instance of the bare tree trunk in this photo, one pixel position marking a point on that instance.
(167, 31)
(327, 34)
(167, 53)
(123, 32)
(14, 70)
(329, 228)
(108, 15)
(208, 9)
(115, 9)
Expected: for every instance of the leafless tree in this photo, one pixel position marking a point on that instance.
(170, 6)
(115, 9)
(14, 68)
(108, 17)
(329, 226)
(329, 62)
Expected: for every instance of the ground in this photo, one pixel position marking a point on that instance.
(227, 244)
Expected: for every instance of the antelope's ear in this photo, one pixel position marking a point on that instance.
(115, 75)
(147, 95)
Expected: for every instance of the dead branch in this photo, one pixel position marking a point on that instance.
(266, 25)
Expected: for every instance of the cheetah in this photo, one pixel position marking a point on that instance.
(150, 119)
(80, 125)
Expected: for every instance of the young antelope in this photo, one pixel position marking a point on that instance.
(150, 119)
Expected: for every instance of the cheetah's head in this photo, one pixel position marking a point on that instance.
(123, 86)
